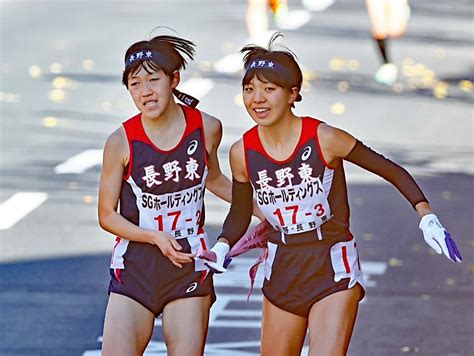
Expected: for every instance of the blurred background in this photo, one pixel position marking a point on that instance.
(61, 96)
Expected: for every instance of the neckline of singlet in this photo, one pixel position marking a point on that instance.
(304, 120)
(183, 136)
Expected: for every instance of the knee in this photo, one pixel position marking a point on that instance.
(180, 346)
(327, 350)
(110, 350)
(188, 350)
(272, 348)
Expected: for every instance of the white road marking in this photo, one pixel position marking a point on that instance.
(237, 276)
(9, 97)
(158, 348)
(197, 87)
(238, 312)
(80, 163)
(248, 318)
(237, 273)
(317, 5)
(232, 62)
(18, 206)
(229, 64)
(240, 324)
(370, 268)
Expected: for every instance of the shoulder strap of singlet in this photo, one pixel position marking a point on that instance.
(310, 128)
(194, 121)
(313, 125)
(135, 132)
(251, 139)
(134, 129)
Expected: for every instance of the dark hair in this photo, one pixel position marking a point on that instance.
(174, 48)
(284, 57)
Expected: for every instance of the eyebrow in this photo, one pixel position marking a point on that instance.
(134, 76)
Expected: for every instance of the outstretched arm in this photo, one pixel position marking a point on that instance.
(337, 145)
(374, 162)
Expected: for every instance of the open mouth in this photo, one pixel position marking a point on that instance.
(150, 103)
(261, 112)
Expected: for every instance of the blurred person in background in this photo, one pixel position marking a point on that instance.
(389, 19)
(257, 19)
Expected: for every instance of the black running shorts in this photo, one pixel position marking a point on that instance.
(152, 280)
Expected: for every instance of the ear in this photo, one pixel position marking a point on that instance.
(175, 79)
(293, 95)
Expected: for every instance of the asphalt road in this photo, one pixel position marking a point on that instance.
(60, 96)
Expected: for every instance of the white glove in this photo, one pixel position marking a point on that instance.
(438, 238)
(214, 259)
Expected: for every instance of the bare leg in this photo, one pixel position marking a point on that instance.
(185, 323)
(128, 327)
(283, 333)
(257, 21)
(398, 19)
(331, 321)
(379, 18)
(381, 44)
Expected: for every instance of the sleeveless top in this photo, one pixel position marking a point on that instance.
(302, 197)
(164, 190)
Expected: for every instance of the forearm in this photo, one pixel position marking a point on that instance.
(220, 186)
(117, 225)
(374, 162)
(423, 208)
(240, 213)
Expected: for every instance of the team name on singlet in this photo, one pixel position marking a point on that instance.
(164, 190)
(178, 213)
(292, 194)
(293, 208)
(169, 195)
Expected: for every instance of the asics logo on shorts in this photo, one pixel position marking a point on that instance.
(306, 153)
(192, 287)
(192, 147)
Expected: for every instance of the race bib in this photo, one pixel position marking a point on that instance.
(295, 209)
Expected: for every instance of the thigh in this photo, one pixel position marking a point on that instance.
(331, 321)
(398, 17)
(377, 10)
(128, 327)
(185, 323)
(283, 333)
